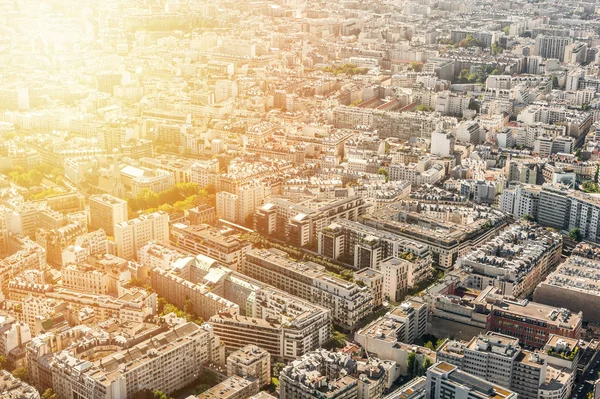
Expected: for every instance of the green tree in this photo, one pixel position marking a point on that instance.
(424, 108)
(470, 41)
(473, 77)
(426, 364)
(575, 234)
(429, 345)
(21, 373)
(384, 172)
(277, 367)
(415, 66)
(528, 218)
(48, 394)
(596, 174)
(554, 82)
(412, 364)
(158, 394)
(338, 339)
(3, 362)
(507, 30)
(463, 76)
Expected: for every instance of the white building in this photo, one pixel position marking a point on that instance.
(135, 233)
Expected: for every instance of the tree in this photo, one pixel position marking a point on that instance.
(158, 394)
(48, 394)
(424, 108)
(554, 82)
(412, 364)
(21, 373)
(429, 345)
(384, 172)
(3, 362)
(575, 234)
(597, 173)
(277, 367)
(415, 66)
(338, 339)
(426, 364)
(528, 218)
(470, 41)
(463, 75)
(507, 30)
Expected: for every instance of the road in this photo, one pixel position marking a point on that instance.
(586, 384)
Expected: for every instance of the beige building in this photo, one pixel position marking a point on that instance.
(106, 211)
(250, 361)
(235, 387)
(85, 278)
(347, 301)
(133, 234)
(178, 353)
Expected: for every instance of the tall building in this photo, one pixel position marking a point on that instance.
(446, 381)
(499, 359)
(179, 353)
(347, 301)
(521, 200)
(214, 243)
(13, 388)
(250, 361)
(332, 375)
(516, 261)
(133, 234)
(442, 143)
(552, 46)
(106, 211)
(299, 220)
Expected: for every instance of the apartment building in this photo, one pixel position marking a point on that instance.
(180, 168)
(347, 301)
(447, 231)
(250, 361)
(234, 387)
(286, 326)
(323, 373)
(516, 261)
(205, 240)
(179, 352)
(300, 219)
(366, 247)
(85, 278)
(521, 200)
(400, 274)
(154, 180)
(133, 234)
(446, 381)
(13, 388)
(552, 46)
(573, 285)
(106, 211)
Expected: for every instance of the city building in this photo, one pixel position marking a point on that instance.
(131, 235)
(106, 211)
(250, 361)
(446, 381)
(347, 301)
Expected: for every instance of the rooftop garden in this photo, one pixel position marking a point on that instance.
(567, 354)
